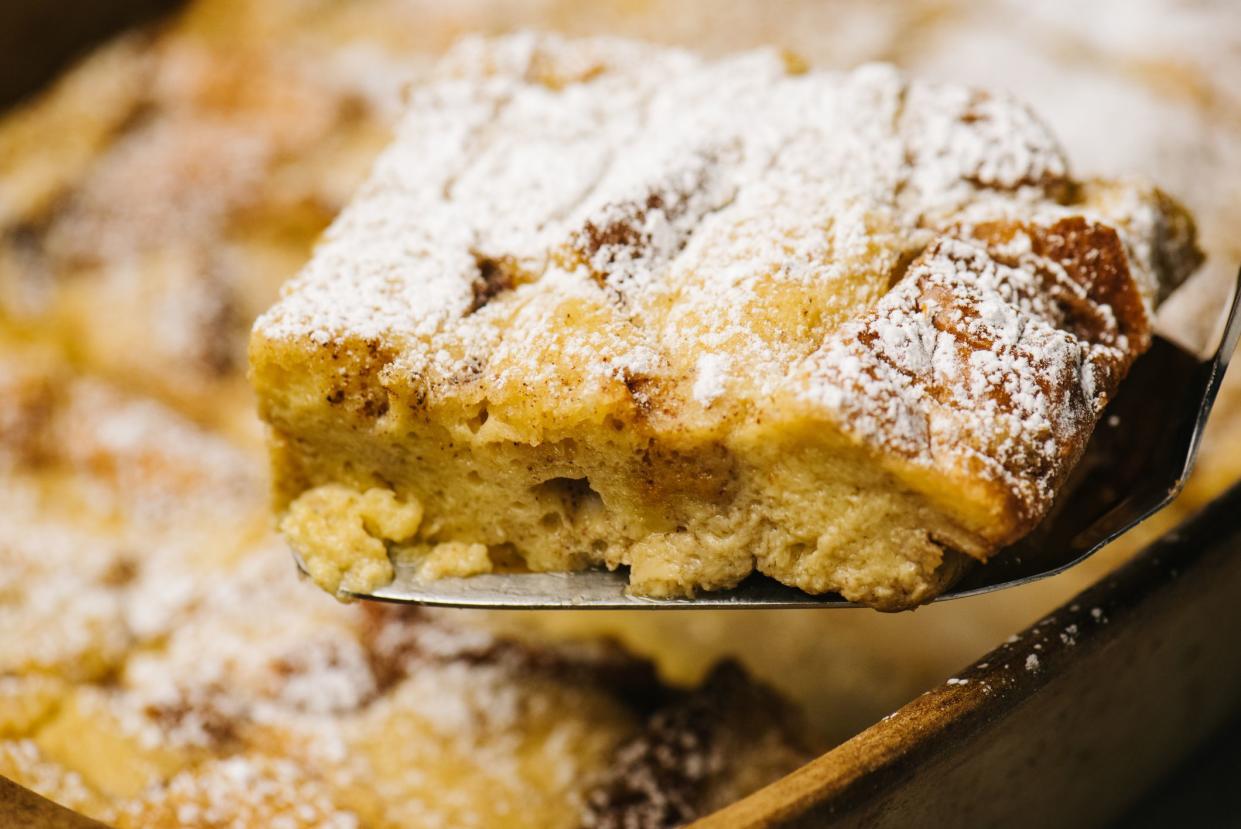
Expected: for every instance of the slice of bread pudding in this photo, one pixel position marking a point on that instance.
(610, 304)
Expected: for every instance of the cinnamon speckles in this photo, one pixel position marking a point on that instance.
(355, 383)
(634, 236)
(495, 276)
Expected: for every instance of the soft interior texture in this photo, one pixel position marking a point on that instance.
(789, 498)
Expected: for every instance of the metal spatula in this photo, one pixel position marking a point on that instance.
(1137, 461)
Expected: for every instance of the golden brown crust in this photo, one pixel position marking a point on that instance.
(990, 362)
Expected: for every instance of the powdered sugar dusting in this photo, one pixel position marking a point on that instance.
(972, 366)
(712, 379)
(556, 212)
(639, 168)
